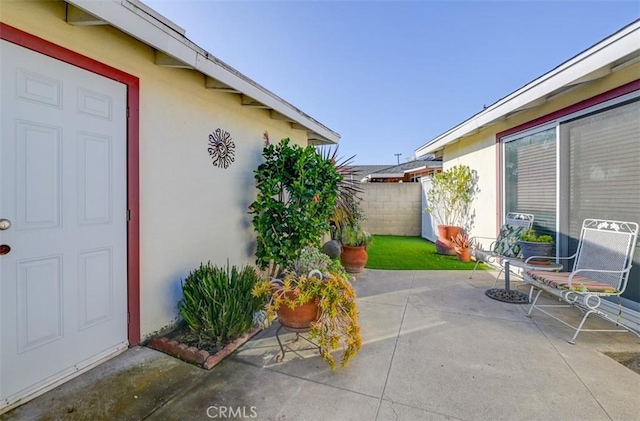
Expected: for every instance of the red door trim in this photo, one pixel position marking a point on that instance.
(579, 106)
(31, 42)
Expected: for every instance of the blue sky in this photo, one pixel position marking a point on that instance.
(391, 75)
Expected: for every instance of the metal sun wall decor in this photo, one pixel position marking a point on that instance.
(221, 148)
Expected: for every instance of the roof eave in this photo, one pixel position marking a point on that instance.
(594, 60)
(387, 175)
(145, 24)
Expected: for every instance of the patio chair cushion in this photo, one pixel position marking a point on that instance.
(579, 283)
(507, 242)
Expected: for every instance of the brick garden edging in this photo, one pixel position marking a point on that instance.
(197, 356)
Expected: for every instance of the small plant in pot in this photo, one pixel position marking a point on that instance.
(326, 298)
(354, 248)
(463, 246)
(532, 244)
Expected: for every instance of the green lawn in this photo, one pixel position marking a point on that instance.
(410, 253)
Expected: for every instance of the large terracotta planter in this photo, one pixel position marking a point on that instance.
(444, 245)
(464, 255)
(354, 258)
(300, 317)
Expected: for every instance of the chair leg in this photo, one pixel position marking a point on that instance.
(584, 319)
(495, 281)
(474, 268)
(535, 300)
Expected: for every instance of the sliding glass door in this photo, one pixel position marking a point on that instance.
(600, 174)
(585, 165)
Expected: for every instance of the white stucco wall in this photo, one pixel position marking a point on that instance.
(479, 151)
(480, 155)
(190, 211)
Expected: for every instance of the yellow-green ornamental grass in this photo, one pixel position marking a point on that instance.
(338, 321)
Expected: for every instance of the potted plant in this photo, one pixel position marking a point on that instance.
(326, 298)
(449, 203)
(354, 248)
(463, 245)
(532, 244)
(297, 190)
(347, 208)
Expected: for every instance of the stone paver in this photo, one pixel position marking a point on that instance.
(435, 348)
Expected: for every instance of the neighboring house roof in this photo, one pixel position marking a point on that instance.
(398, 171)
(173, 49)
(361, 171)
(609, 55)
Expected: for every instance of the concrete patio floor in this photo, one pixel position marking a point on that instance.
(435, 348)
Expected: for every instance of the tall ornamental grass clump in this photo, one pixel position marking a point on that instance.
(217, 303)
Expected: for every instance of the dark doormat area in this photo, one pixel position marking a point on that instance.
(630, 360)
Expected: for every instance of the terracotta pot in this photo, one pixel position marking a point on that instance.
(444, 245)
(464, 255)
(300, 317)
(354, 258)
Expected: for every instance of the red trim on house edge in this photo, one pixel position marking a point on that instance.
(574, 108)
(31, 42)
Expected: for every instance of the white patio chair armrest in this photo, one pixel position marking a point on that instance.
(565, 258)
(548, 258)
(491, 246)
(575, 272)
(484, 238)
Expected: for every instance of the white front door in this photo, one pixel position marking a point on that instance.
(63, 285)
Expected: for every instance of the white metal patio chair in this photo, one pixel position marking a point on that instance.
(601, 269)
(504, 246)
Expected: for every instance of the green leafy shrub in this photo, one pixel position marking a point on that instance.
(217, 302)
(297, 190)
(530, 235)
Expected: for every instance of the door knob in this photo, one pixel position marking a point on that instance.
(4, 249)
(5, 224)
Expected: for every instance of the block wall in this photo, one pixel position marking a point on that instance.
(392, 208)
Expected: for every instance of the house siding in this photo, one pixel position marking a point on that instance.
(190, 211)
(480, 150)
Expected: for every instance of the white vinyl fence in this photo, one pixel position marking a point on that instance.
(429, 227)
